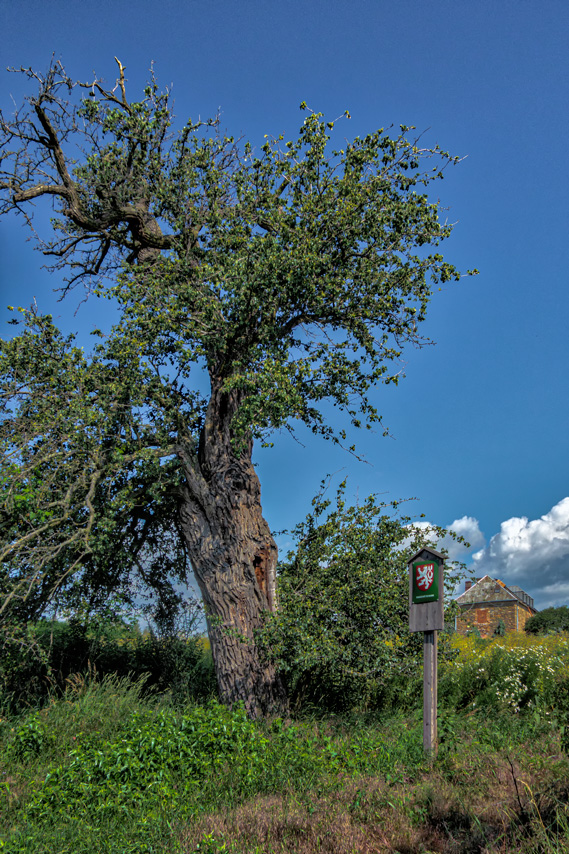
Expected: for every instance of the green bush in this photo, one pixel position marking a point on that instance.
(30, 739)
(158, 759)
(154, 756)
(24, 664)
(47, 654)
(548, 620)
(341, 634)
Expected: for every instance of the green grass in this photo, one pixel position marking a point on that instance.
(108, 768)
(104, 770)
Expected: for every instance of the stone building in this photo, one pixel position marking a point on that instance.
(488, 601)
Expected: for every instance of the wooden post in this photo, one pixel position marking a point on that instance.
(426, 603)
(430, 692)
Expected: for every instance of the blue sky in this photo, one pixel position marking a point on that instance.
(479, 425)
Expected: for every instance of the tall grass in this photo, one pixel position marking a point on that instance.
(34, 667)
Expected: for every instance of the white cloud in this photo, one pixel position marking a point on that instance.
(466, 527)
(533, 554)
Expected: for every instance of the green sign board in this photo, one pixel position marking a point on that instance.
(425, 581)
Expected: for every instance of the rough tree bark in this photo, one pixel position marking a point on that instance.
(229, 543)
(234, 557)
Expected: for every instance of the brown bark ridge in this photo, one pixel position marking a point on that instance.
(234, 558)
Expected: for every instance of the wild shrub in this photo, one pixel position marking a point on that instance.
(160, 759)
(341, 634)
(550, 620)
(24, 663)
(30, 739)
(40, 659)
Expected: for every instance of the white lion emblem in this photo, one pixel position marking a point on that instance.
(425, 575)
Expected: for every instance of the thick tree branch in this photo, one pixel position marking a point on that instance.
(37, 191)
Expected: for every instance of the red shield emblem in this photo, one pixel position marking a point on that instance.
(424, 575)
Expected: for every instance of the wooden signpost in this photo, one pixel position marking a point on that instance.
(426, 608)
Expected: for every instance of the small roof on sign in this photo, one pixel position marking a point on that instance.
(426, 554)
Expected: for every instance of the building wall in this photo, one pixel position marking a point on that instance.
(486, 616)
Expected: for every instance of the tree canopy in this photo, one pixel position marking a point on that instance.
(291, 274)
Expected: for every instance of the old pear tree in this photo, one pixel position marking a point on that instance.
(291, 274)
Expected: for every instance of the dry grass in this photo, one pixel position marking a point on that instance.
(499, 807)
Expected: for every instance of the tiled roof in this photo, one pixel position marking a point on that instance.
(489, 589)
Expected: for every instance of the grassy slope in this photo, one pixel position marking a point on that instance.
(102, 770)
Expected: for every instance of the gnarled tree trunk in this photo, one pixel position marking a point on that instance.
(234, 558)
